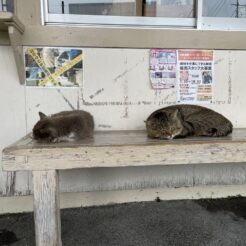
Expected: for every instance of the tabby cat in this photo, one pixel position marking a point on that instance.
(66, 125)
(187, 120)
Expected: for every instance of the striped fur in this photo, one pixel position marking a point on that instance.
(187, 120)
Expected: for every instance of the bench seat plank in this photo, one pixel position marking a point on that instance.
(123, 148)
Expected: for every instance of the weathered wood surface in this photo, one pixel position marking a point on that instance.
(46, 208)
(123, 148)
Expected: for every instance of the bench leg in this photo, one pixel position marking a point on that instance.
(46, 208)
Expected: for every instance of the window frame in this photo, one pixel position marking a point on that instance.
(106, 36)
(128, 21)
(223, 23)
(200, 22)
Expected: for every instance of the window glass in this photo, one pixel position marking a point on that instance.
(6, 5)
(94, 7)
(157, 8)
(224, 8)
(170, 8)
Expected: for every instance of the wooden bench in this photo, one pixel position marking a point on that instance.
(107, 149)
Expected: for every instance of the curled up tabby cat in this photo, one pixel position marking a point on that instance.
(187, 120)
(64, 126)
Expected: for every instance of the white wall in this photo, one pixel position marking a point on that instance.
(12, 116)
(117, 91)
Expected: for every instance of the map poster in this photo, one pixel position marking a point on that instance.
(195, 76)
(53, 66)
(163, 64)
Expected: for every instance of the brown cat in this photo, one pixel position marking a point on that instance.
(65, 125)
(187, 120)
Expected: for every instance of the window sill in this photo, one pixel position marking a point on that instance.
(133, 37)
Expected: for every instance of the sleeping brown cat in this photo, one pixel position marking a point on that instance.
(65, 125)
(187, 120)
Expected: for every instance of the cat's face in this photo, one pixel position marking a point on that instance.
(43, 128)
(164, 125)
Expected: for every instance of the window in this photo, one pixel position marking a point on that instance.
(205, 14)
(225, 8)
(161, 8)
(121, 12)
(6, 5)
(224, 15)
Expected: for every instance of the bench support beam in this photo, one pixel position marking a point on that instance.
(47, 208)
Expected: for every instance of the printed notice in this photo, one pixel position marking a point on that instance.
(53, 67)
(195, 76)
(163, 64)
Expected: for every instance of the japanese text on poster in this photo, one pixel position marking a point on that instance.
(53, 67)
(195, 76)
(163, 65)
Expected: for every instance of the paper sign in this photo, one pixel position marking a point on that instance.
(163, 65)
(195, 76)
(53, 67)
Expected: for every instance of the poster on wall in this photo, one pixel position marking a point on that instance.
(53, 66)
(195, 76)
(163, 64)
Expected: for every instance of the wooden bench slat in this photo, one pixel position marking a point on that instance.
(123, 148)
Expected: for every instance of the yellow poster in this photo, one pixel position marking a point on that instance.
(53, 66)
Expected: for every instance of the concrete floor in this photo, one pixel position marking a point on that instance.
(202, 222)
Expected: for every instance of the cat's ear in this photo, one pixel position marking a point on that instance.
(160, 116)
(41, 115)
(176, 115)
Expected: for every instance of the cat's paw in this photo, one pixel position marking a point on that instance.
(212, 132)
(216, 132)
(54, 140)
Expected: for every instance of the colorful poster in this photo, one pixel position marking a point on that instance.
(163, 65)
(53, 67)
(195, 76)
